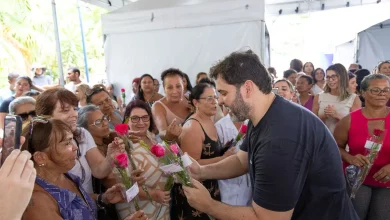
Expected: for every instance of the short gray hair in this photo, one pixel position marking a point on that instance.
(367, 79)
(82, 120)
(20, 101)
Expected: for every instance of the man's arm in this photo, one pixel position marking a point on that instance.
(233, 166)
(221, 210)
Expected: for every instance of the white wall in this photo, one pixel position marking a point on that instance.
(374, 46)
(190, 49)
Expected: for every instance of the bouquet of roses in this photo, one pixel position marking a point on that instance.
(174, 162)
(357, 175)
(122, 165)
(122, 130)
(241, 134)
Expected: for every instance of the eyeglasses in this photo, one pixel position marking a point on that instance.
(135, 119)
(332, 77)
(99, 122)
(377, 91)
(210, 99)
(36, 120)
(25, 116)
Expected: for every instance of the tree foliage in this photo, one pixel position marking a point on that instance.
(27, 36)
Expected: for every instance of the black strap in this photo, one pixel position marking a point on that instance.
(199, 124)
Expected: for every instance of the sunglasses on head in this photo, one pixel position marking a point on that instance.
(25, 115)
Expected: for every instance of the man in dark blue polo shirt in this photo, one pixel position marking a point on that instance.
(293, 160)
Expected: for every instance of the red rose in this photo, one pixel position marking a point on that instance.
(243, 129)
(122, 160)
(157, 150)
(122, 129)
(378, 132)
(123, 90)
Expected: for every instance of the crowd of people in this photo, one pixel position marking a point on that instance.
(304, 129)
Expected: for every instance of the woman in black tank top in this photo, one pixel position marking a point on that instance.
(200, 140)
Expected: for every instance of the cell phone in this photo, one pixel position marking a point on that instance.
(11, 138)
(275, 90)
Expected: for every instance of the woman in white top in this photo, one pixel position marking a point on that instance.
(319, 81)
(336, 101)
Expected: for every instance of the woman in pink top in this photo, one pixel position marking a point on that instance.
(169, 112)
(373, 198)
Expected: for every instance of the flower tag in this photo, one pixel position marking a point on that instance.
(171, 168)
(186, 160)
(132, 192)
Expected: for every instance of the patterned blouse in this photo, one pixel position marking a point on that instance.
(71, 206)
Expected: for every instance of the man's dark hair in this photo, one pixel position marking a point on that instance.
(74, 70)
(296, 65)
(241, 66)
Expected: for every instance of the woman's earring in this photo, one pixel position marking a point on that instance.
(41, 165)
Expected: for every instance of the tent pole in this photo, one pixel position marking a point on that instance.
(58, 45)
(83, 42)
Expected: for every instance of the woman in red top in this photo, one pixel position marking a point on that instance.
(373, 198)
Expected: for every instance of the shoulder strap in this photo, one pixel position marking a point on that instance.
(197, 121)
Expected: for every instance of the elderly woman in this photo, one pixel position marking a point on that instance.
(61, 104)
(200, 140)
(58, 194)
(373, 197)
(139, 118)
(336, 101)
(170, 112)
(101, 98)
(24, 107)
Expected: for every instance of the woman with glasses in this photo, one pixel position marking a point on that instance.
(57, 193)
(373, 197)
(24, 107)
(139, 118)
(101, 98)
(146, 90)
(336, 101)
(61, 104)
(319, 81)
(169, 112)
(200, 140)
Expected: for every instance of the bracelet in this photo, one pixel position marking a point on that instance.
(100, 203)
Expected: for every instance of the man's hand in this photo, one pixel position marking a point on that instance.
(198, 196)
(17, 178)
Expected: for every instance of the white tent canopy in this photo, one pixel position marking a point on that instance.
(147, 38)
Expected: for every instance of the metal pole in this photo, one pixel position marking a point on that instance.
(83, 42)
(58, 46)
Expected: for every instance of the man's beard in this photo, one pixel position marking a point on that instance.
(239, 108)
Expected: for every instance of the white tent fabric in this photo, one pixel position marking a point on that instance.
(189, 37)
(374, 45)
